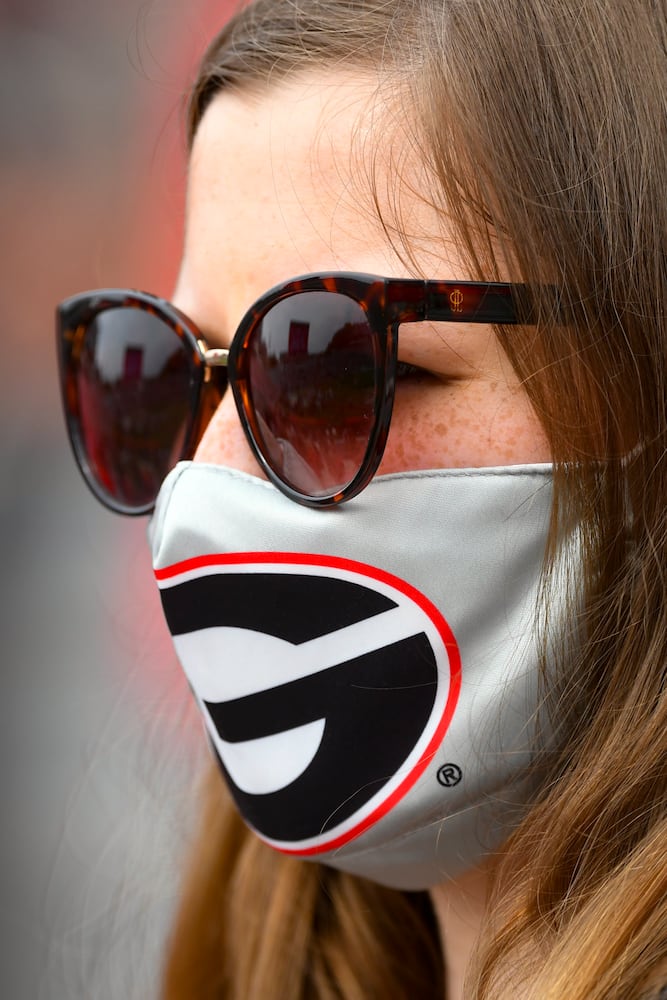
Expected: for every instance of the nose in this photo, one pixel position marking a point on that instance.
(224, 442)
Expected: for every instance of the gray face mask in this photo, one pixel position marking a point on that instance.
(367, 674)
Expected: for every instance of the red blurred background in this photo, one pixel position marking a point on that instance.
(98, 747)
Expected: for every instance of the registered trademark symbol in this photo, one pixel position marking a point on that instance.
(449, 775)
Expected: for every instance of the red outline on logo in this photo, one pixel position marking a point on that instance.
(362, 569)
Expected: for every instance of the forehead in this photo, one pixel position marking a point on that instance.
(290, 180)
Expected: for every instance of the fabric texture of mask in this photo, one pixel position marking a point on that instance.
(368, 675)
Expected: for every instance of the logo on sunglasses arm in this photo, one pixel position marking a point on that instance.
(327, 686)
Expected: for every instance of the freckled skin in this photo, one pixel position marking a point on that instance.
(276, 191)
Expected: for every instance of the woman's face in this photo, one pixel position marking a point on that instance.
(279, 187)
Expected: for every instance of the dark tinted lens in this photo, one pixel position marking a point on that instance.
(134, 399)
(312, 381)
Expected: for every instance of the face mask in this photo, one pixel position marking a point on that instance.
(367, 674)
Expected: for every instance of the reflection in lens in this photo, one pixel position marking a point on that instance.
(133, 386)
(312, 382)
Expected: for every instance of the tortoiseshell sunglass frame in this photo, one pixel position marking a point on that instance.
(387, 303)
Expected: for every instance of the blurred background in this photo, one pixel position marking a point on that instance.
(99, 741)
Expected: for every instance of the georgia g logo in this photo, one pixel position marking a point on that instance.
(327, 686)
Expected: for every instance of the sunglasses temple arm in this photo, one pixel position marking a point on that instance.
(471, 303)
(477, 302)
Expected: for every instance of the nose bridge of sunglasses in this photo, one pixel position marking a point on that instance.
(214, 357)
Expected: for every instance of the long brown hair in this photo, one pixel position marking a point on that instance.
(543, 129)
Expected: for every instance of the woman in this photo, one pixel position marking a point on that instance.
(488, 805)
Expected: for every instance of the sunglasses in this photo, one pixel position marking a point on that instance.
(312, 368)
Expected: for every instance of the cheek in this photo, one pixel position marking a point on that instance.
(224, 442)
(462, 425)
(434, 426)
